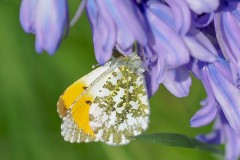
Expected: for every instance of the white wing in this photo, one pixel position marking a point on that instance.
(120, 109)
(75, 126)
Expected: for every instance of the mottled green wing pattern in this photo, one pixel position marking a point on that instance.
(121, 108)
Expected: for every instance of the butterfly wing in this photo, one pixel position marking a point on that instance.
(121, 108)
(75, 126)
(77, 88)
(74, 112)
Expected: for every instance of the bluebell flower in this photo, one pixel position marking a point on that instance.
(223, 133)
(115, 23)
(182, 11)
(163, 54)
(221, 93)
(168, 51)
(227, 26)
(47, 19)
(222, 105)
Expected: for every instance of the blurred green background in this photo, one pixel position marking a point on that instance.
(31, 83)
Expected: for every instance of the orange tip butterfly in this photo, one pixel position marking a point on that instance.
(110, 104)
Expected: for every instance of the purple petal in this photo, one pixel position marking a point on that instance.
(161, 68)
(232, 140)
(125, 14)
(162, 11)
(178, 81)
(231, 27)
(220, 33)
(209, 106)
(205, 115)
(182, 15)
(27, 15)
(200, 46)
(227, 95)
(204, 20)
(194, 68)
(203, 6)
(126, 51)
(115, 23)
(167, 41)
(104, 32)
(227, 24)
(235, 76)
(224, 68)
(216, 137)
(232, 151)
(212, 138)
(51, 22)
(151, 78)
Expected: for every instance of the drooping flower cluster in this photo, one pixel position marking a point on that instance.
(174, 38)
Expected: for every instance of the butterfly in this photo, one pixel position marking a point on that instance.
(110, 104)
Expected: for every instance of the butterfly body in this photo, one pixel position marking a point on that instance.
(110, 104)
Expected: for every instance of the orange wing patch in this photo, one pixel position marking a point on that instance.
(74, 104)
(80, 113)
(69, 96)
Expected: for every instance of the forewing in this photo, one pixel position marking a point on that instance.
(77, 88)
(75, 126)
(121, 108)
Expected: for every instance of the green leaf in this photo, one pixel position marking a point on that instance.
(179, 140)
